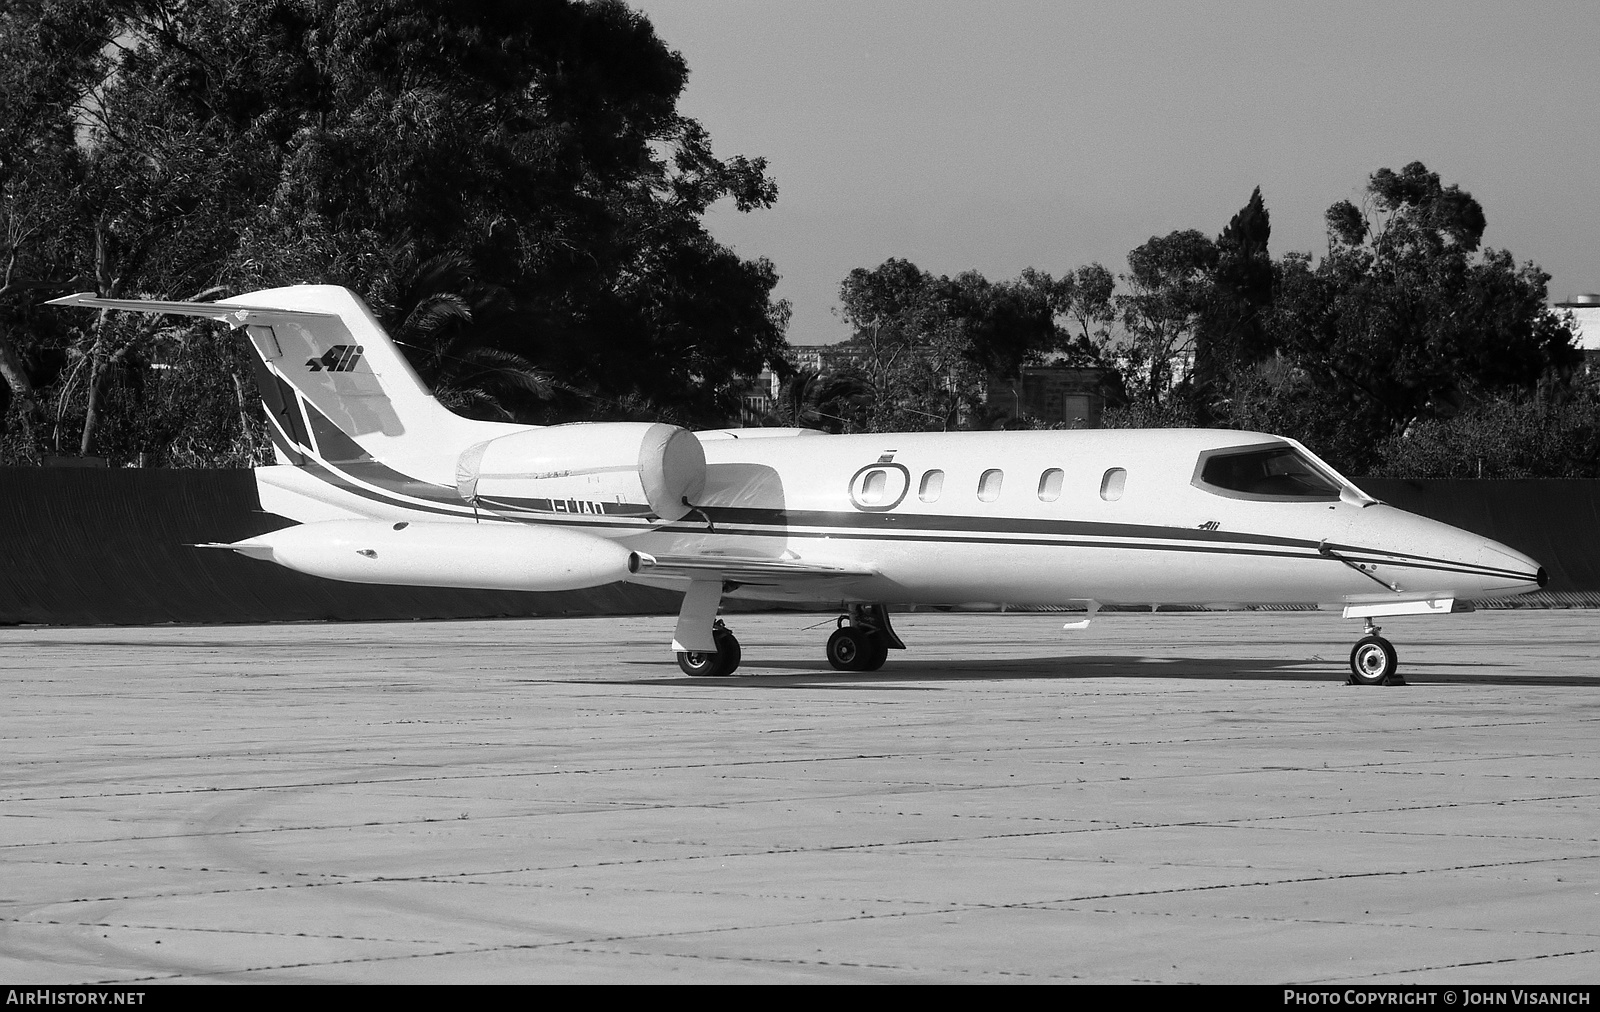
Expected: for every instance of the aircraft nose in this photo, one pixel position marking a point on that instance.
(1512, 570)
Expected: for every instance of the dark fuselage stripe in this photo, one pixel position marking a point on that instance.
(1306, 551)
(344, 483)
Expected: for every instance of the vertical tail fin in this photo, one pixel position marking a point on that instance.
(335, 387)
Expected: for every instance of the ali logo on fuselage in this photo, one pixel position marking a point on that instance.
(339, 358)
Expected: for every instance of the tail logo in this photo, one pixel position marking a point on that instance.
(339, 358)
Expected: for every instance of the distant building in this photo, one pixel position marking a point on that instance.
(759, 399)
(825, 359)
(1586, 311)
(1066, 394)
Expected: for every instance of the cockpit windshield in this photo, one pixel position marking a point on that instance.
(1265, 472)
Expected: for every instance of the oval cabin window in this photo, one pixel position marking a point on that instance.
(880, 487)
(932, 485)
(1111, 485)
(989, 484)
(1050, 485)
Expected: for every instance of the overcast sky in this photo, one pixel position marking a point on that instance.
(1003, 135)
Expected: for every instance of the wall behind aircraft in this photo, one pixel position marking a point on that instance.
(1553, 520)
(91, 546)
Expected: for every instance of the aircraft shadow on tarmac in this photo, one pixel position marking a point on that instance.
(808, 674)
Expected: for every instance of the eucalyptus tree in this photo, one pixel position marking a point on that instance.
(222, 146)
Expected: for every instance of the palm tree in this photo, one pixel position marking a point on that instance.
(811, 400)
(454, 329)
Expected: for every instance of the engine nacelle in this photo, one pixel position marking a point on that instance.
(610, 468)
(486, 556)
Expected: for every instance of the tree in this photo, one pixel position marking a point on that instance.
(206, 145)
(1406, 318)
(1007, 323)
(837, 403)
(48, 51)
(451, 326)
(1513, 435)
(542, 141)
(1231, 337)
(906, 345)
(1085, 298)
(932, 349)
(1169, 280)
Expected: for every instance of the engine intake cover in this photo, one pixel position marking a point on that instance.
(610, 468)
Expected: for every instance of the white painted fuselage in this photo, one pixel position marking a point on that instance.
(1161, 538)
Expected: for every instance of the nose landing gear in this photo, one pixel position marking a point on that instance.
(1373, 660)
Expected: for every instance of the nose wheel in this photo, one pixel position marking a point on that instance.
(1373, 661)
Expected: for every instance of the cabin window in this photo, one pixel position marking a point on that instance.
(1112, 484)
(879, 487)
(989, 484)
(1277, 473)
(932, 485)
(872, 488)
(1050, 485)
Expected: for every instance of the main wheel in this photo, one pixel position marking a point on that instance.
(696, 664)
(1373, 661)
(725, 661)
(727, 649)
(849, 649)
(877, 653)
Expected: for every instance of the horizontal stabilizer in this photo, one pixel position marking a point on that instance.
(227, 312)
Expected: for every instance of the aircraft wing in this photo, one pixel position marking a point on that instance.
(749, 569)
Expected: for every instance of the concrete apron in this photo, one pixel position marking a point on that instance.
(1169, 798)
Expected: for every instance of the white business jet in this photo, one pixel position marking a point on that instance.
(390, 487)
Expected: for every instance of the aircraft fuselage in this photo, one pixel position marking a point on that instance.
(994, 524)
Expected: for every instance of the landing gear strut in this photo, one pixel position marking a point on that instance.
(864, 643)
(710, 665)
(1373, 661)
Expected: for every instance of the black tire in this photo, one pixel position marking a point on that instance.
(877, 654)
(849, 649)
(700, 665)
(727, 649)
(1373, 661)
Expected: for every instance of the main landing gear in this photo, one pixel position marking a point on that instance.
(1373, 660)
(864, 643)
(725, 661)
(861, 642)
